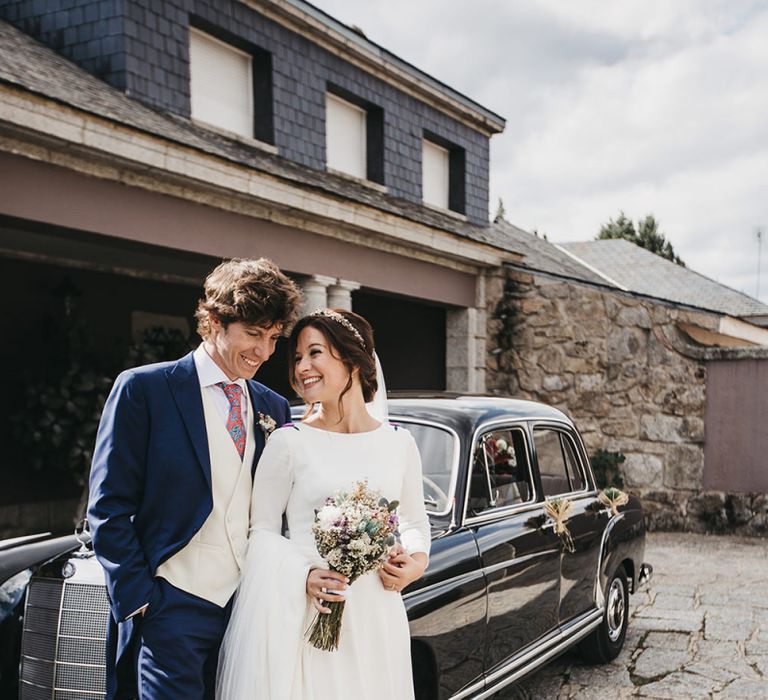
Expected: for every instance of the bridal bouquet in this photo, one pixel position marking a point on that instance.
(353, 533)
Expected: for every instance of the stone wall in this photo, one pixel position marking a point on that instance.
(619, 366)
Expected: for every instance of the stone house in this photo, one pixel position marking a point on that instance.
(653, 361)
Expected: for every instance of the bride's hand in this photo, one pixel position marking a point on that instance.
(319, 584)
(402, 569)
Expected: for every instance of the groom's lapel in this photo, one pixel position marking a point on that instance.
(185, 387)
(259, 406)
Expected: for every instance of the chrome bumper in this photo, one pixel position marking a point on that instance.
(646, 571)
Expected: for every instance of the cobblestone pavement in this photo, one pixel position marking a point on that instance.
(700, 630)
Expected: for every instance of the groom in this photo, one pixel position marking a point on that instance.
(171, 486)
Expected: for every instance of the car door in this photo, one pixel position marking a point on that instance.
(447, 608)
(520, 559)
(564, 474)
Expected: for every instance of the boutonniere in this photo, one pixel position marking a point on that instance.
(267, 424)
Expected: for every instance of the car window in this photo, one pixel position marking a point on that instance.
(436, 447)
(558, 467)
(572, 462)
(500, 472)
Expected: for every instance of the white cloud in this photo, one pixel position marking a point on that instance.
(642, 106)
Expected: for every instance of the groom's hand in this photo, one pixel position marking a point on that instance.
(321, 583)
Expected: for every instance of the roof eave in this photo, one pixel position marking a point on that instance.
(322, 29)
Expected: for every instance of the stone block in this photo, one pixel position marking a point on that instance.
(553, 290)
(625, 344)
(676, 641)
(682, 400)
(684, 467)
(642, 470)
(634, 316)
(588, 382)
(675, 429)
(551, 360)
(706, 512)
(554, 382)
(653, 663)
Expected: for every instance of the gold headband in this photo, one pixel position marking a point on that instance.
(330, 313)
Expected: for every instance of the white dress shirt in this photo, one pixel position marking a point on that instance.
(210, 374)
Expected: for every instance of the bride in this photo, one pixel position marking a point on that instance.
(285, 583)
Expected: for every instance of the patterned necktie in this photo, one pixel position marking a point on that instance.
(235, 425)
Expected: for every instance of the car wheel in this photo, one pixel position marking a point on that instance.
(606, 642)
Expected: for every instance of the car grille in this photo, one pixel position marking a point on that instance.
(63, 641)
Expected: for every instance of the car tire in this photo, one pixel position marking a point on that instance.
(607, 641)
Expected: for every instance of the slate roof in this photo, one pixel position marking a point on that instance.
(642, 272)
(30, 65)
(541, 255)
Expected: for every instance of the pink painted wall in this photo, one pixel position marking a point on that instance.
(736, 426)
(53, 195)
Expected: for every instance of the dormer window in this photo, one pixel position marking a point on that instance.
(345, 136)
(354, 136)
(442, 174)
(221, 84)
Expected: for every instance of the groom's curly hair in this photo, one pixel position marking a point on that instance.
(250, 291)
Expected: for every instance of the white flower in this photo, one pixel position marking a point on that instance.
(501, 445)
(267, 424)
(328, 515)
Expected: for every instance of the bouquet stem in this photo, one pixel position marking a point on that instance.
(326, 630)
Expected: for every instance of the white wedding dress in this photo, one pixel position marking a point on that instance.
(265, 654)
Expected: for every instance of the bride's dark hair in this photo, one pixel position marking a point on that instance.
(344, 345)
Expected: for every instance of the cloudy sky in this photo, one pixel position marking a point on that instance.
(645, 106)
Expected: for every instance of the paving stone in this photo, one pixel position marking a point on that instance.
(654, 663)
(678, 641)
(735, 627)
(731, 600)
(601, 676)
(712, 671)
(677, 685)
(669, 601)
(659, 624)
(687, 590)
(744, 689)
(761, 662)
(757, 646)
(600, 693)
(724, 655)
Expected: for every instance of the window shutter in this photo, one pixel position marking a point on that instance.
(221, 84)
(345, 136)
(435, 174)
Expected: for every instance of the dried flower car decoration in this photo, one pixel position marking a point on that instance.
(612, 498)
(559, 510)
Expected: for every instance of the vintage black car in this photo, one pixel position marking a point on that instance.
(504, 592)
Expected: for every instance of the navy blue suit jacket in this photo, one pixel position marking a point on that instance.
(150, 484)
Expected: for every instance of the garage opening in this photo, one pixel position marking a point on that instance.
(410, 339)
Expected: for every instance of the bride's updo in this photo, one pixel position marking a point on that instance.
(350, 339)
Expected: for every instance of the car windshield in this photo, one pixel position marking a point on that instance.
(437, 458)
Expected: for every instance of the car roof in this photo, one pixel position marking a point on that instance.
(467, 410)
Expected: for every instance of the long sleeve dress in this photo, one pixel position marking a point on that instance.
(265, 653)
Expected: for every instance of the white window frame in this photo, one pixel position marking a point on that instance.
(208, 109)
(435, 186)
(336, 159)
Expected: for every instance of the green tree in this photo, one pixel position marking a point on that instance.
(501, 212)
(646, 234)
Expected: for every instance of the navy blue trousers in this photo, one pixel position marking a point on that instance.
(177, 645)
